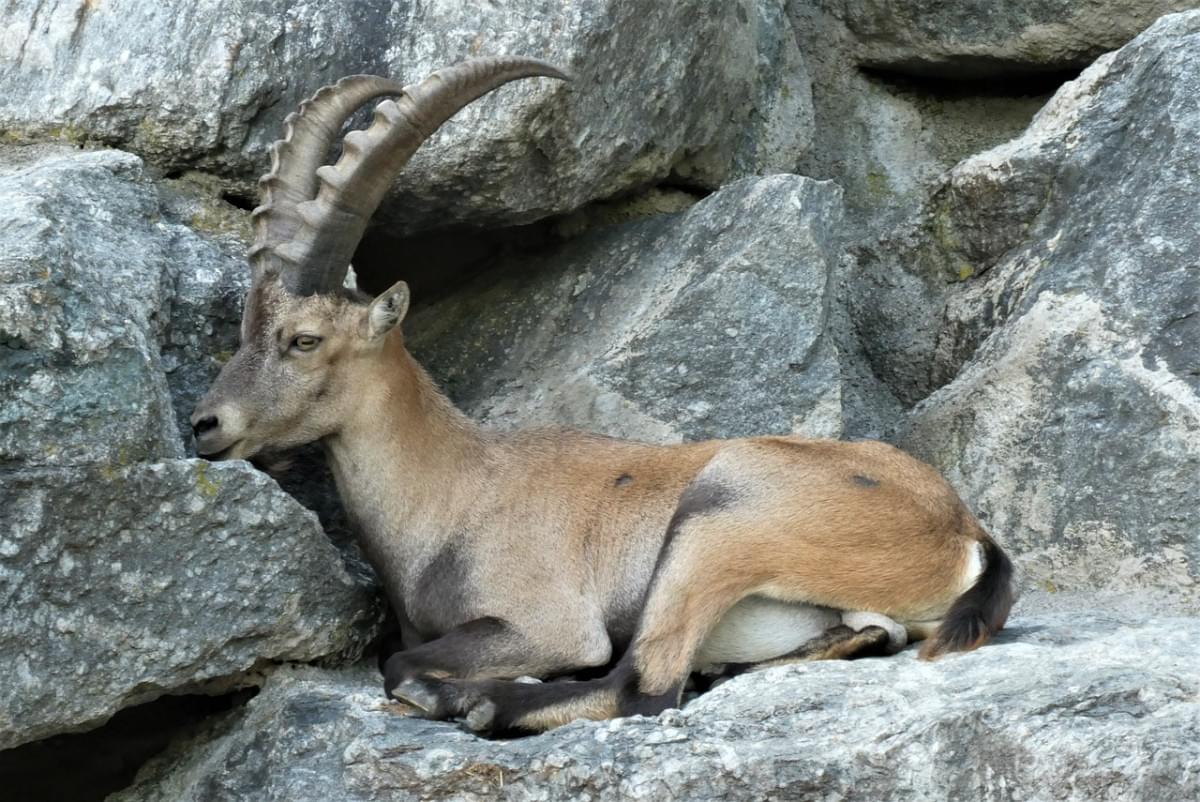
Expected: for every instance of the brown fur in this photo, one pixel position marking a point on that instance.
(545, 551)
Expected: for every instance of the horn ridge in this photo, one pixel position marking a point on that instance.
(349, 191)
(308, 134)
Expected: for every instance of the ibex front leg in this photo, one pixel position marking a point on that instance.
(487, 647)
(685, 601)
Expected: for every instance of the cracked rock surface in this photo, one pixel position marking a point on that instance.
(126, 570)
(121, 585)
(1063, 706)
(687, 88)
(1058, 277)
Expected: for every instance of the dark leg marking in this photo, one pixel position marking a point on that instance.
(500, 707)
(462, 651)
(504, 708)
(838, 643)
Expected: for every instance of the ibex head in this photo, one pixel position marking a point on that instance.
(305, 337)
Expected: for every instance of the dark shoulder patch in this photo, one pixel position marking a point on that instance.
(701, 497)
(865, 481)
(442, 594)
(623, 480)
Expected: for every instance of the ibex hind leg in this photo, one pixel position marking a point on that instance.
(689, 595)
(839, 643)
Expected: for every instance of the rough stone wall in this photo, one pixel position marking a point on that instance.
(959, 226)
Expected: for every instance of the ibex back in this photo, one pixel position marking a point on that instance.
(546, 552)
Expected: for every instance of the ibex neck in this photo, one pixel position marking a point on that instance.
(405, 460)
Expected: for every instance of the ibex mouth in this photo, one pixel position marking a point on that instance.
(224, 453)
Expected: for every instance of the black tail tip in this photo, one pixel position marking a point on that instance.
(980, 612)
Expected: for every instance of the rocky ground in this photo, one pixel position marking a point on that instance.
(969, 228)
(1063, 706)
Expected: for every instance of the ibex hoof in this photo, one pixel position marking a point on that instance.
(482, 716)
(418, 694)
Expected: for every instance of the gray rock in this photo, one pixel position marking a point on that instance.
(97, 279)
(80, 379)
(888, 140)
(708, 323)
(1055, 277)
(702, 91)
(976, 38)
(207, 278)
(1091, 707)
(117, 586)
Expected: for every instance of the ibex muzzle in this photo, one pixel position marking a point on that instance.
(544, 552)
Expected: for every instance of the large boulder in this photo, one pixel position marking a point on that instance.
(903, 91)
(712, 322)
(978, 38)
(1092, 707)
(126, 571)
(117, 297)
(1051, 291)
(80, 284)
(686, 88)
(117, 586)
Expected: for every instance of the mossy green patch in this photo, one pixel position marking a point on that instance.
(943, 229)
(153, 136)
(207, 486)
(878, 186)
(69, 133)
(124, 458)
(66, 133)
(209, 220)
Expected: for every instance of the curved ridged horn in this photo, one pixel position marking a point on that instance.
(292, 180)
(333, 222)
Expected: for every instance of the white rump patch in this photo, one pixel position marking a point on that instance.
(974, 567)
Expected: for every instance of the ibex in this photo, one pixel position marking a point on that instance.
(547, 552)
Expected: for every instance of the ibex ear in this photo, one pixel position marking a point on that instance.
(387, 310)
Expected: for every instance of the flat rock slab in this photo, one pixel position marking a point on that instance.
(1063, 706)
(713, 322)
(979, 38)
(117, 586)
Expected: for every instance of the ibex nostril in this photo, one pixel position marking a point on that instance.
(205, 425)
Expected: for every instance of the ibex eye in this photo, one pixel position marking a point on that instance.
(305, 342)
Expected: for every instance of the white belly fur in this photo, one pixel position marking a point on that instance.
(758, 628)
